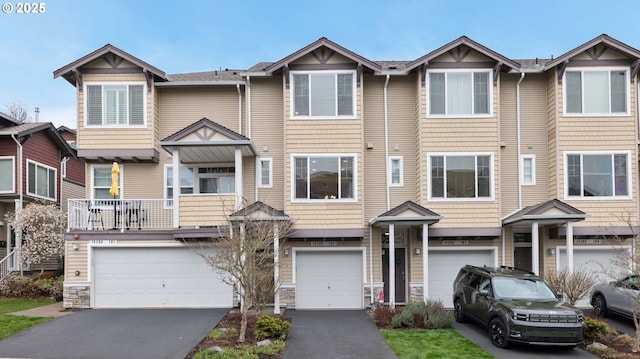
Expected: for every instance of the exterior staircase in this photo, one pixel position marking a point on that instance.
(7, 264)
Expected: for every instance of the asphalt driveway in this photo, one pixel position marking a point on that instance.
(115, 333)
(337, 334)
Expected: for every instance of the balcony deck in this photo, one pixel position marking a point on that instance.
(197, 210)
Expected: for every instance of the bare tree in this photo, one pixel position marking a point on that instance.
(243, 254)
(574, 285)
(18, 110)
(41, 226)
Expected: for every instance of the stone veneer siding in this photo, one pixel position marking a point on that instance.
(76, 296)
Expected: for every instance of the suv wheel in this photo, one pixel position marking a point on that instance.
(458, 311)
(498, 333)
(599, 306)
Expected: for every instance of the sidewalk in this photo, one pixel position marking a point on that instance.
(48, 311)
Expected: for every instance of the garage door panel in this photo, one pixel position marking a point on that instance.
(329, 280)
(156, 278)
(444, 266)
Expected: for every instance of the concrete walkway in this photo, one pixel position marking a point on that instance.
(54, 310)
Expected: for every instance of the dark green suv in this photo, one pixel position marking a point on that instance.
(517, 307)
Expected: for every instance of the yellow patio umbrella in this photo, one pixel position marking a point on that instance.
(114, 190)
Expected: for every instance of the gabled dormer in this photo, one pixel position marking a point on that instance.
(323, 78)
(116, 100)
(460, 78)
(595, 77)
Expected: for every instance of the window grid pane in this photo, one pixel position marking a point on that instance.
(437, 176)
(94, 105)
(484, 176)
(6, 175)
(620, 173)
(574, 93)
(574, 174)
(395, 171)
(618, 92)
(481, 93)
(345, 94)
(136, 105)
(346, 177)
(436, 93)
(301, 177)
(301, 95)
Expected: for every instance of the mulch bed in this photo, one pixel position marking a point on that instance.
(232, 320)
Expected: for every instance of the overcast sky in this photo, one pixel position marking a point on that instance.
(197, 35)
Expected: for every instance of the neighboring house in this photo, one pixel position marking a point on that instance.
(33, 158)
(462, 156)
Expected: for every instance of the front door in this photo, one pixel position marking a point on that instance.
(400, 277)
(522, 251)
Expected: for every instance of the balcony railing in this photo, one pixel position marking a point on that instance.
(7, 264)
(196, 210)
(120, 214)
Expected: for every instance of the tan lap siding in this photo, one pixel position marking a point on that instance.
(76, 261)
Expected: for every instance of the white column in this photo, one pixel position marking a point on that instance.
(276, 269)
(392, 266)
(570, 246)
(176, 187)
(425, 262)
(535, 248)
(238, 177)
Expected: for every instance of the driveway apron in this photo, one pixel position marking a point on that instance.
(334, 334)
(115, 333)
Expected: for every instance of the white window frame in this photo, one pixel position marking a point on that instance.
(400, 160)
(269, 162)
(92, 182)
(582, 70)
(13, 173)
(325, 155)
(168, 202)
(55, 178)
(102, 84)
(323, 117)
(63, 168)
(492, 178)
(523, 180)
(469, 115)
(582, 197)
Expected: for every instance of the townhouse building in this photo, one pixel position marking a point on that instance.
(394, 173)
(37, 164)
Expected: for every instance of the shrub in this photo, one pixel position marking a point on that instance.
(594, 328)
(15, 285)
(268, 327)
(382, 315)
(50, 287)
(428, 315)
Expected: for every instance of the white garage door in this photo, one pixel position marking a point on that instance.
(444, 266)
(329, 280)
(601, 261)
(165, 277)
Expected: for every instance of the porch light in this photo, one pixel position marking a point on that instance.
(75, 246)
(418, 251)
(286, 252)
(551, 251)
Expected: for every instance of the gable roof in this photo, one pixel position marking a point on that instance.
(24, 131)
(552, 211)
(408, 211)
(198, 142)
(70, 71)
(603, 39)
(321, 42)
(6, 120)
(463, 40)
(260, 207)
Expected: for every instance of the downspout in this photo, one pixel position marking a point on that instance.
(518, 170)
(386, 143)
(371, 264)
(20, 199)
(239, 109)
(248, 106)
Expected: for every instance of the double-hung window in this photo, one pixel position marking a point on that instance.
(115, 105)
(324, 177)
(459, 93)
(41, 180)
(7, 175)
(528, 170)
(461, 176)
(101, 182)
(326, 94)
(596, 91)
(604, 175)
(186, 183)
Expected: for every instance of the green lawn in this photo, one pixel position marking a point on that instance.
(12, 324)
(435, 343)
